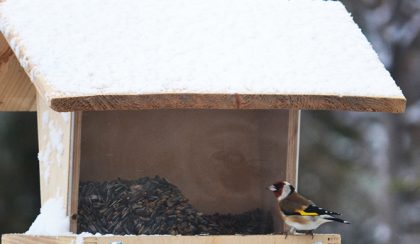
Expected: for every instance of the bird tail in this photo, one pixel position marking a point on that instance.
(337, 220)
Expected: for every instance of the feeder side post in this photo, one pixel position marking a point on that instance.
(75, 169)
(58, 138)
(17, 93)
(292, 161)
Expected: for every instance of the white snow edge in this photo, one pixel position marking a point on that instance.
(52, 220)
(212, 47)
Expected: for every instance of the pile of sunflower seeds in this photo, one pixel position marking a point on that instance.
(155, 206)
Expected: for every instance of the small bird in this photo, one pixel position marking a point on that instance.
(298, 212)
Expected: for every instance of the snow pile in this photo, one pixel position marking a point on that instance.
(100, 47)
(52, 220)
(79, 237)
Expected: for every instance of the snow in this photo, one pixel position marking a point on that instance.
(66, 116)
(45, 118)
(52, 220)
(101, 47)
(55, 139)
(44, 160)
(79, 237)
(54, 145)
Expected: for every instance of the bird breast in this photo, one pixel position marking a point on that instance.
(304, 222)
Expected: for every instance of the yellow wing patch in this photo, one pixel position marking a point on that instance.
(303, 213)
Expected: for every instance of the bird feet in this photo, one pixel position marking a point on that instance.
(310, 232)
(285, 233)
(291, 231)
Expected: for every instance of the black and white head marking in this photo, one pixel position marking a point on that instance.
(287, 190)
(281, 189)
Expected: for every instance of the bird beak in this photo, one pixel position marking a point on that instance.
(271, 188)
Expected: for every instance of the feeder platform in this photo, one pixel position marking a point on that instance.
(156, 239)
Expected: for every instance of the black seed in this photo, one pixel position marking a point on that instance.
(154, 206)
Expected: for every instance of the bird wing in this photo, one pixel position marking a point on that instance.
(313, 210)
(296, 204)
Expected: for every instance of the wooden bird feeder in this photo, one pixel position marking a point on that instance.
(204, 93)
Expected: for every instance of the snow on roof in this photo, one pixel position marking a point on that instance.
(299, 54)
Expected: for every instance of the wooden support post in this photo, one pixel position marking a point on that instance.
(75, 170)
(292, 162)
(17, 93)
(59, 143)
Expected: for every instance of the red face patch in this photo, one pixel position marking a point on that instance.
(279, 188)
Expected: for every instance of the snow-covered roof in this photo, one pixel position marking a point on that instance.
(135, 54)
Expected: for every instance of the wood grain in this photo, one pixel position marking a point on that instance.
(229, 155)
(55, 137)
(227, 101)
(62, 102)
(75, 169)
(28, 239)
(251, 239)
(292, 162)
(17, 92)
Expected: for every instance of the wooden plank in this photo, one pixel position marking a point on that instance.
(252, 239)
(75, 169)
(43, 89)
(292, 162)
(55, 136)
(17, 92)
(68, 103)
(28, 239)
(61, 101)
(261, 61)
(228, 239)
(227, 101)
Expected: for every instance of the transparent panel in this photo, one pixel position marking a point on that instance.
(181, 171)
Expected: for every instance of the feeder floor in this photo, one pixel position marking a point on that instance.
(156, 239)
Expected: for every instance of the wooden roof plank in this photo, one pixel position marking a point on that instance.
(17, 92)
(227, 101)
(292, 55)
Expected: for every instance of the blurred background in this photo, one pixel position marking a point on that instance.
(369, 163)
(365, 165)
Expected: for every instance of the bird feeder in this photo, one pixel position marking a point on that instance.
(206, 94)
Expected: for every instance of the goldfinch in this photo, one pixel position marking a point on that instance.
(298, 212)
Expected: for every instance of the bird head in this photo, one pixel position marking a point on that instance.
(281, 189)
